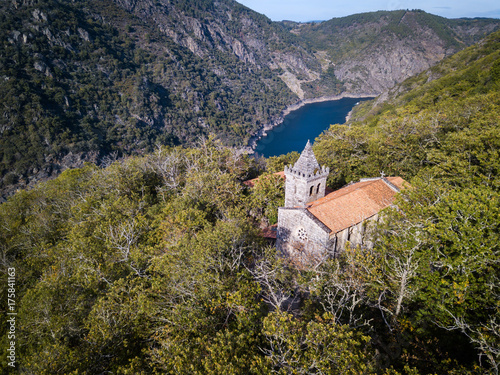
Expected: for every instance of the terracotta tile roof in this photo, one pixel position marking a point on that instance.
(270, 232)
(356, 202)
(398, 182)
(251, 183)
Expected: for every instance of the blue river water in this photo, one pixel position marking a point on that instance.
(305, 123)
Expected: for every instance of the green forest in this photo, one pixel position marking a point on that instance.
(91, 80)
(155, 264)
(75, 85)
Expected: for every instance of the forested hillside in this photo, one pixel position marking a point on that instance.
(155, 264)
(89, 79)
(85, 79)
(443, 121)
(440, 250)
(371, 52)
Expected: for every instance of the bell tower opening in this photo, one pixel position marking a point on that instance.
(305, 180)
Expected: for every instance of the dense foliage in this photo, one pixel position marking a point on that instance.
(77, 88)
(155, 264)
(87, 79)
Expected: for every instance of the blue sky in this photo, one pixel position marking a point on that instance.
(310, 10)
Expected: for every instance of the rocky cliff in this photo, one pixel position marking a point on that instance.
(361, 54)
(209, 28)
(372, 52)
(87, 79)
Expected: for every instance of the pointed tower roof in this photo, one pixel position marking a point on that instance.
(307, 162)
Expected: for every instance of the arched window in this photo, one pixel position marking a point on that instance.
(311, 190)
(317, 189)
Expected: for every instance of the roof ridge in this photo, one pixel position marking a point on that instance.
(391, 185)
(335, 194)
(354, 203)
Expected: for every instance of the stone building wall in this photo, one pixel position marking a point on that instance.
(357, 235)
(307, 238)
(301, 236)
(301, 189)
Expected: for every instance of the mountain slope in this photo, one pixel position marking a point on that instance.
(84, 79)
(89, 79)
(442, 123)
(371, 52)
(225, 28)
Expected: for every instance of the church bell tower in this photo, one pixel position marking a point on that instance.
(306, 180)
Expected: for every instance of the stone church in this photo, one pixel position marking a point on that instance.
(316, 222)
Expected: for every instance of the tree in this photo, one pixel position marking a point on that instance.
(439, 251)
(266, 196)
(318, 346)
(277, 278)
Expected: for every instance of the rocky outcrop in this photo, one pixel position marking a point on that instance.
(123, 75)
(376, 72)
(230, 28)
(372, 52)
(369, 53)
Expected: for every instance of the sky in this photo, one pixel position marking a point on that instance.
(316, 10)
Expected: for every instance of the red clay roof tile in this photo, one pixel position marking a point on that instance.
(354, 203)
(270, 232)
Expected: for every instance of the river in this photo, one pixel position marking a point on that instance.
(305, 123)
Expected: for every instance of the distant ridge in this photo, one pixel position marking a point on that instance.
(443, 119)
(89, 79)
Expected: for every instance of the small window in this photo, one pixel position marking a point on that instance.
(302, 234)
(311, 190)
(317, 189)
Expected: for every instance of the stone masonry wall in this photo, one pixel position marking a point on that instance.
(357, 235)
(301, 237)
(298, 190)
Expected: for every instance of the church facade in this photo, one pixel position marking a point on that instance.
(317, 223)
